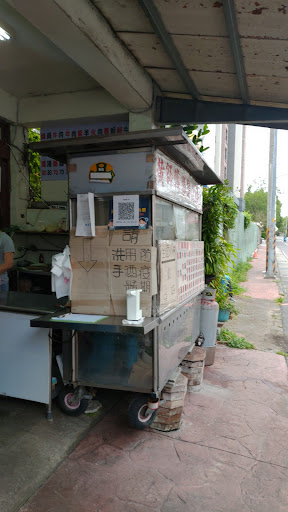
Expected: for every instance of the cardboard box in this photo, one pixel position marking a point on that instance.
(130, 237)
(103, 271)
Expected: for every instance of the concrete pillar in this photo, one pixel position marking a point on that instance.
(141, 121)
(234, 158)
(19, 198)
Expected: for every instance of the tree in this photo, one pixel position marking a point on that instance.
(34, 168)
(256, 204)
(194, 134)
(219, 215)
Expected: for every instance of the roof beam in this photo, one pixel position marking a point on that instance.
(168, 45)
(36, 110)
(180, 111)
(8, 107)
(232, 27)
(83, 34)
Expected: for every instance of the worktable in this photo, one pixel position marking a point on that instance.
(25, 353)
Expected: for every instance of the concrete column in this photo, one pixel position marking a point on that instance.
(19, 197)
(141, 121)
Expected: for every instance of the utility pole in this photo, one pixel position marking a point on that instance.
(271, 206)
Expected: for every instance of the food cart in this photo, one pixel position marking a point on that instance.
(142, 192)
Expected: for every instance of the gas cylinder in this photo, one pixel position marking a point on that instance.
(208, 323)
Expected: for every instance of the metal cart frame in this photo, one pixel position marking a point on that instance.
(178, 327)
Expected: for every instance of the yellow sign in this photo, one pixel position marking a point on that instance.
(101, 172)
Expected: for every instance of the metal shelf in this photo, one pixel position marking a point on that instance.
(19, 232)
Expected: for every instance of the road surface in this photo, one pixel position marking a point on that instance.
(282, 274)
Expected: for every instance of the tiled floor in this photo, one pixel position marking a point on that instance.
(230, 455)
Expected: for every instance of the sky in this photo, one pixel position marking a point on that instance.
(257, 160)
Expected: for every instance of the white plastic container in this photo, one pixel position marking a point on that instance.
(133, 305)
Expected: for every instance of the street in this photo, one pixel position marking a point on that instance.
(282, 246)
(282, 274)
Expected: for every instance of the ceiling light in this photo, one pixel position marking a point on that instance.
(4, 36)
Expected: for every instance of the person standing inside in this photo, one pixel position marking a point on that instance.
(6, 259)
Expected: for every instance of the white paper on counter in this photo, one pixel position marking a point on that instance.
(85, 225)
(74, 317)
(125, 211)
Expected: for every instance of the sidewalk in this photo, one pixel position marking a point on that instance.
(260, 318)
(230, 454)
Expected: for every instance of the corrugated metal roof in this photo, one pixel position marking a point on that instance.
(202, 35)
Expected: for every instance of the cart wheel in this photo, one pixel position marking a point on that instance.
(137, 413)
(73, 409)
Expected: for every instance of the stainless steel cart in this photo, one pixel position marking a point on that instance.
(165, 170)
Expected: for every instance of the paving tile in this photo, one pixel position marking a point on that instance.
(117, 505)
(190, 453)
(155, 452)
(265, 489)
(230, 454)
(74, 488)
(148, 488)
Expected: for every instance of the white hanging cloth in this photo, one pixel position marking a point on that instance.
(61, 274)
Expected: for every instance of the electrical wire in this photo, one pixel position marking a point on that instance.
(51, 243)
(22, 255)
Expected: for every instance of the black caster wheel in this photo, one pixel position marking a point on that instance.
(139, 415)
(68, 405)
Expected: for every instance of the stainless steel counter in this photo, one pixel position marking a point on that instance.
(29, 302)
(111, 324)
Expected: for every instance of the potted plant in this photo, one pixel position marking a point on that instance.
(226, 307)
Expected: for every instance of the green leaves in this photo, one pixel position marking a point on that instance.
(34, 168)
(232, 340)
(247, 219)
(219, 215)
(256, 205)
(197, 138)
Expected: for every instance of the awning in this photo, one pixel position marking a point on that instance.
(173, 141)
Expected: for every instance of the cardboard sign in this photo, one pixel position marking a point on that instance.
(190, 268)
(104, 268)
(168, 276)
(175, 183)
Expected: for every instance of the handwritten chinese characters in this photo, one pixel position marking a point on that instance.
(190, 268)
(132, 268)
(181, 271)
(173, 182)
(168, 276)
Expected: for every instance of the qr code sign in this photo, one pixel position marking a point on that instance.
(126, 211)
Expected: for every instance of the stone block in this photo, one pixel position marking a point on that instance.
(176, 389)
(191, 372)
(195, 382)
(179, 395)
(196, 354)
(194, 389)
(169, 420)
(169, 404)
(166, 428)
(191, 364)
(169, 412)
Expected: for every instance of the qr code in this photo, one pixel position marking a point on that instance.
(126, 211)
